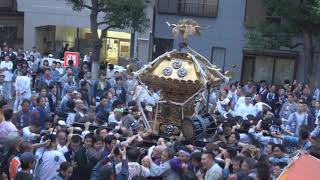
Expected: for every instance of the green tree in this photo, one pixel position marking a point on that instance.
(106, 14)
(299, 18)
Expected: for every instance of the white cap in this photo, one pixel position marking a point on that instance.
(62, 123)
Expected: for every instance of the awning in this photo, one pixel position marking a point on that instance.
(302, 166)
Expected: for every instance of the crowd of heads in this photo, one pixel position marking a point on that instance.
(59, 123)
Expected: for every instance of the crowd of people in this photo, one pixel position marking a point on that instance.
(57, 123)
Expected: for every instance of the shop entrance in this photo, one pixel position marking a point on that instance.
(117, 48)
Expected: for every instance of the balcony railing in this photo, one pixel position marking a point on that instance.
(8, 5)
(181, 7)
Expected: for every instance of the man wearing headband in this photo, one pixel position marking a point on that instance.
(182, 162)
(115, 116)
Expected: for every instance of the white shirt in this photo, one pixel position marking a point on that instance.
(110, 73)
(214, 173)
(70, 119)
(86, 58)
(112, 119)
(150, 99)
(243, 110)
(62, 149)
(7, 73)
(139, 93)
(135, 169)
(219, 107)
(1, 89)
(49, 164)
(317, 119)
(28, 135)
(23, 86)
(258, 107)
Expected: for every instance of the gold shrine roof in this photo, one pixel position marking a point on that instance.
(180, 72)
(176, 67)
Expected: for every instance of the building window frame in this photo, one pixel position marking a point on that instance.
(213, 61)
(196, 9)
(275, 56)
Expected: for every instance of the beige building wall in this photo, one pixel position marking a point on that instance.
(39, 13)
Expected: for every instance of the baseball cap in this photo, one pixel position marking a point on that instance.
(27, 157)
(62, 123)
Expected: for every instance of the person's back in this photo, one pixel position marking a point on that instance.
(6, 126)
(23, 86)
(50, 162)
(134, 168)
(214, 173)
(23, 176)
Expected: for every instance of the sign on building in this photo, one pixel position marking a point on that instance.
(73, 56)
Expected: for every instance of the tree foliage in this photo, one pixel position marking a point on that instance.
(297, 16)
(126, 14)
(106, 14)
(268, 35)
(122, 14)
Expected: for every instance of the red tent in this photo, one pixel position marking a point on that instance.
(302, 167)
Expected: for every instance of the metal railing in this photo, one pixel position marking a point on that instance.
(180, 7)
(7, 4)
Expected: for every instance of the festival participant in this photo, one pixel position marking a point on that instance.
(65, 171)
(6, 126)
(70, 84)
(120, 89)
(22, 118)
(31, 133)
(297, 119)
(82, 170)
(73, 147)
(134, 168)
(223, 100)
(69, 96)
(27, 160)
(130, 85)
(243, 149)
(278, 155)
(48, 162)
(164, 168)
(62, 141)
(46, 79)
(101, 87)
(214, 171)
(23, 89)
(52, 97)
(246, 108)
(288, 108)
(6, 67)
(40, 113)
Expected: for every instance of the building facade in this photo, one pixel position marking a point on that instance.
(223, 39)
(11, 24)
(51, 24)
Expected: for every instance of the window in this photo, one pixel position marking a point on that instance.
(255, 11)
(218, 57)
(8, 32)
(6, 4)
(204, 8)
(160, 46)
(273, 67)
